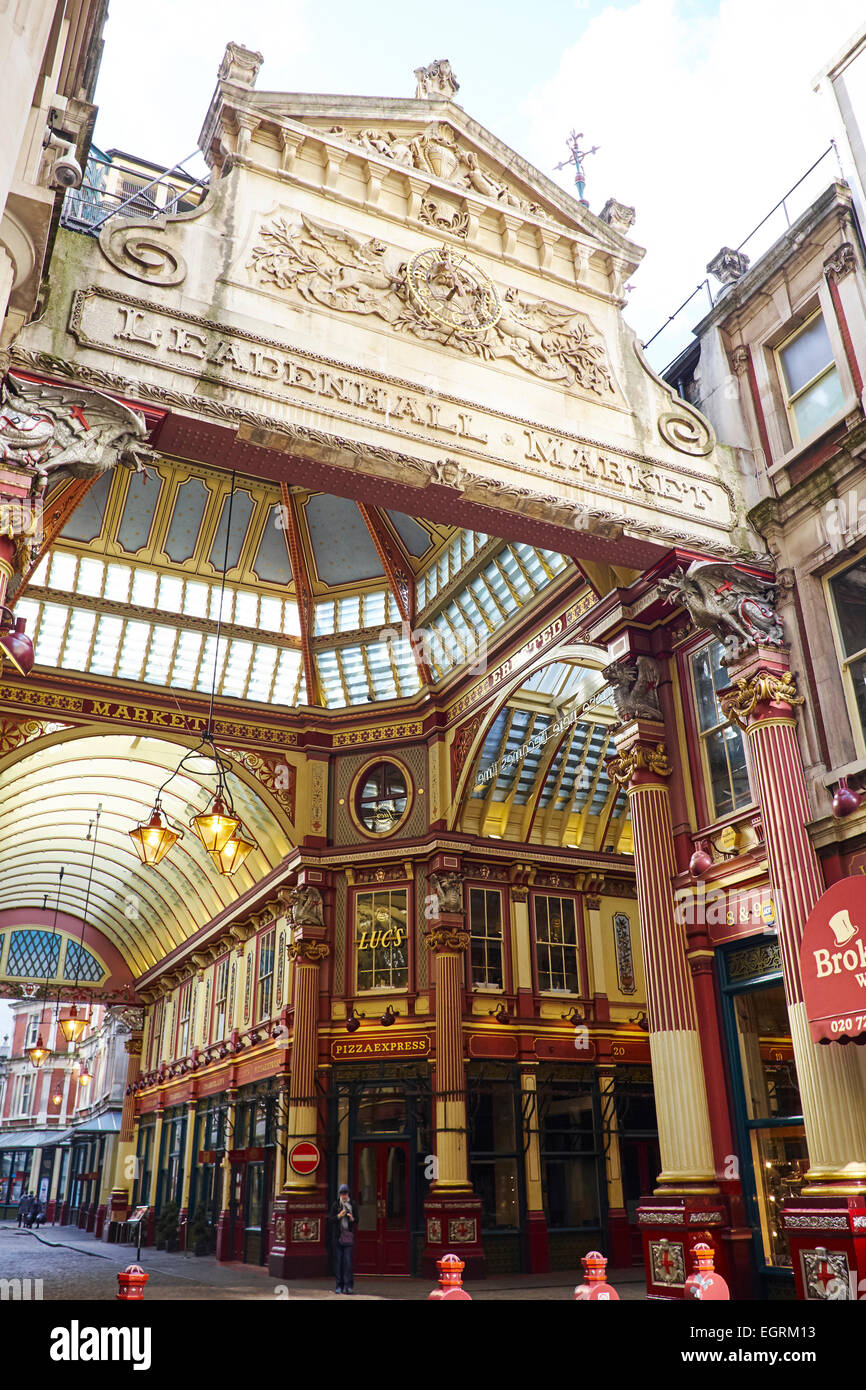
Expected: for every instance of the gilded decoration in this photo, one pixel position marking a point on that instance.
(667, 1262)
(305, 1228)
(310, 951)
(641, 757)
(756, 961)
(762, 689)
(447, 939)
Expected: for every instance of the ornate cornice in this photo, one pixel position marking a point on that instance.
(639, 758)
(764, 688)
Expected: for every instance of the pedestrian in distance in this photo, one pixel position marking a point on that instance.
(344, 1222)
(23, 1203)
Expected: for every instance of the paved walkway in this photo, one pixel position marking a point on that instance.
(72, 1265)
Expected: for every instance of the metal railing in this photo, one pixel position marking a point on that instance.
(772, 235)
(88, 208)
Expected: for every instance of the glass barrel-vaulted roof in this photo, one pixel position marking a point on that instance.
(130, 591)
(540, 775)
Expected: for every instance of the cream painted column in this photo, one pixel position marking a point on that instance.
(597, 981)
(189, 1137)
(155, 1158)
(830, 1081)
(642, 767)
(521, 952)
(448, 942)
(124, 1165)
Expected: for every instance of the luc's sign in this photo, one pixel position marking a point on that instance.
(833, 962)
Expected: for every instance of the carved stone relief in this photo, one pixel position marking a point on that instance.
(323, 264)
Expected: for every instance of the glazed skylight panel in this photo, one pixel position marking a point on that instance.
(449, 563)
(370, 671)
(355, 612)
(61, 572)
(80, 639)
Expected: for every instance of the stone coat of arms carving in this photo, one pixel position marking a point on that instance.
(323, 264)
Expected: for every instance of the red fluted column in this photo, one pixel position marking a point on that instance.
(452, 1212)
(762, 701)
(299, 1232)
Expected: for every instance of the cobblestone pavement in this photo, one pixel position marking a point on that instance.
(74, 1266)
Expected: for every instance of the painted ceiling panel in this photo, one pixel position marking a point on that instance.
(342, 547)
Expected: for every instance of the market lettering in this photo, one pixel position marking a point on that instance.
(629, 476)
(833, 963)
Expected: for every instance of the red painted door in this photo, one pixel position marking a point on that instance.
(382, 1193)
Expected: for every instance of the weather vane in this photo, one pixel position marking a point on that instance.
(576, 157)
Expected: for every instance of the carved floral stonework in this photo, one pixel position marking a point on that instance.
(436, 151)
(763, 689)
(640, 758)
(444, 218)
(618, 216)
(323, 264)
(634, 683)
(840, 262)
(738, 608)
(624, 957)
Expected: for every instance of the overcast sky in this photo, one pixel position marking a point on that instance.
(703, 109)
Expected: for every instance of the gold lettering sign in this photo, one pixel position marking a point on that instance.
(418, 1046)
(379, 940)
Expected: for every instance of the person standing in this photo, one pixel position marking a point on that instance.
(23, 1204)
(344, 1221)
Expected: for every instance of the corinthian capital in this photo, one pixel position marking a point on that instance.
(447, 939)
(641, 757)
(310, 951)
(764, 688)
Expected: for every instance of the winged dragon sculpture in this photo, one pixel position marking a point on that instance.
(739, 608)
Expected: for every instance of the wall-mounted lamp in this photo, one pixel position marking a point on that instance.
(574, 1015)
(389, 1017)
(353, 1022)
(640, 1021)
(500, 1013)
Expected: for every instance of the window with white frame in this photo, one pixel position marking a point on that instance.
(485, 926)
(266, 975)
(813, 391)
(221, 994)
(183, 1019)
(723, 748)
(848, 590)
(32, 1030)
(556, 944)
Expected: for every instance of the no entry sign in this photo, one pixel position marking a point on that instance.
(833, 962)
(305, 1158)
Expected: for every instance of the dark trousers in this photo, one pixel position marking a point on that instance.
(345, 1266)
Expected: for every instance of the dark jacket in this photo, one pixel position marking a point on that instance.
(334, 1218)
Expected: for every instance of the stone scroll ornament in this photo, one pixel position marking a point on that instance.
(60, 431)
(738, 608)
(322, 264)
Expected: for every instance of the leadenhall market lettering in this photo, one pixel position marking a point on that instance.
(188, 345)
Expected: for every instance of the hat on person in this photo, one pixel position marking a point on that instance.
(344, 1187)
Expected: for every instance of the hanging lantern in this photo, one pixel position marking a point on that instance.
(73, 1026)
(84, 1075)
(154, 838)
(215, 826)
(233, 853)
(38, 1053)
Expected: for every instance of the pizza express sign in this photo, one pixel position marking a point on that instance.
(833, 963)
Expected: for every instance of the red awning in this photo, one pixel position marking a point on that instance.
(833, 963)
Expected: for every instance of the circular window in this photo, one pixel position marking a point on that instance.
(381, 798)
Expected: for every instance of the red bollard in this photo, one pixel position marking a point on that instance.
(703, 1282)
(450, 1279)
(131, 1282)
(594, 1270)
